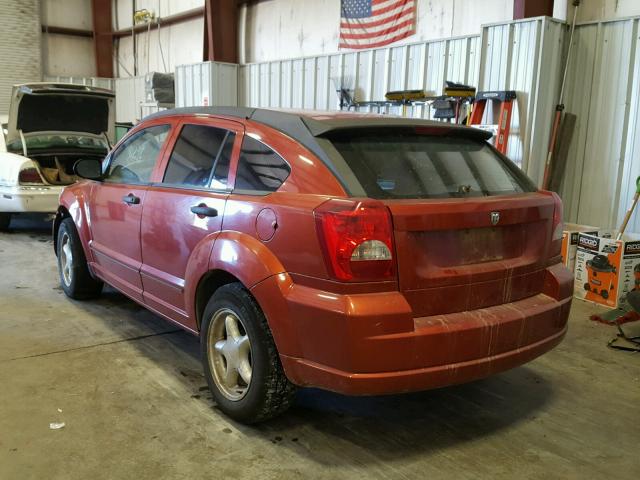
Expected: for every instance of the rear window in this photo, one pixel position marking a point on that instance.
(409, 165)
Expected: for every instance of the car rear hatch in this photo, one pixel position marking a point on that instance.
(470, 230)
(59, 107)
(451, 257)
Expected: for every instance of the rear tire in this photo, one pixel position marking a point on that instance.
(75, 278)
(605, 294)
(587, 287)
(5, 220)
(240, 359)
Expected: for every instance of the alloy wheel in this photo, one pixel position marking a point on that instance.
(66, 259)
(229, 354)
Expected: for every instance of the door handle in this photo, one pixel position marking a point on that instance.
(203, 211)
(131, 199)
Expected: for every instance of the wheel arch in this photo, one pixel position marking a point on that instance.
(207, 286)
(61, 214)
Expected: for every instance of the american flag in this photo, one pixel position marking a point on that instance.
(374, 23)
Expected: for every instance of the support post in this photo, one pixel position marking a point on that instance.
(220, 31)
(103, 37)
(532, 8)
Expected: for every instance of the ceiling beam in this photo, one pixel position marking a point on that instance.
(73, 32)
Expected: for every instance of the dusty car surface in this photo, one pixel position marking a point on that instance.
(355, 253)
(49, 128)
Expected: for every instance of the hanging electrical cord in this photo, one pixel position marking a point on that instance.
(148, 46)
(164, 65)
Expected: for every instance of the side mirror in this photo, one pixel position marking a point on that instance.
(88, 168)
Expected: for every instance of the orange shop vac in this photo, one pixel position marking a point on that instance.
(602, 276)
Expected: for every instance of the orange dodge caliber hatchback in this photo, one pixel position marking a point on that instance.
(355, 253)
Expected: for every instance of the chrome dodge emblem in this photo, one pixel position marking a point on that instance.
(495, 217)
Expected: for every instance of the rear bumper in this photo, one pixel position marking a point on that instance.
(370, 344)
(308, 373)
(29, 199)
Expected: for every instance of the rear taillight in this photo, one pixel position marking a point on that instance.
(557, 227)
(29, 176)
(356, 239)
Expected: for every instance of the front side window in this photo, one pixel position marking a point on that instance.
(406, 164)
(134, 160)
(260, 168)
(200, 157)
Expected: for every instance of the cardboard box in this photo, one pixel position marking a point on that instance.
(606, 269)
(570, 242)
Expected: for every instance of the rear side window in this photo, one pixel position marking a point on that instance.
(405, 164)
(201, 154)
(260, 168)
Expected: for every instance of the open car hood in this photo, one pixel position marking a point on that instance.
(60, 107)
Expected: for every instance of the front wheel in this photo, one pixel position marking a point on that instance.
(75, 278)
(240, 358)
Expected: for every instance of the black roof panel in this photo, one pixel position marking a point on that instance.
(309, 128)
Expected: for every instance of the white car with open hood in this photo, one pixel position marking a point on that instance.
(50, 127)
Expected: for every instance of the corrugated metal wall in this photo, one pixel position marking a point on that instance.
(506, 56)
(130, 95)
(603, 90)
(312, 82)
(208, 83)
(525, 56)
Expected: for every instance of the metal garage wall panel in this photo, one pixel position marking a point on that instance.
(207, 83)
(516, 56)
(380, 77)
(632, 148)
(415, 66)
(309, 83)
(398, 71)
(286, 97)
(312, 82)
(323, 83)
(264, 94)
(603, 160)
(130, 94)
(297, 83)
(275, 81)
(336, 73)
(506, 56)
(364, 75)
(243, 85)
(496, 51)
(578, 102)
(473, 70)
(551, 44)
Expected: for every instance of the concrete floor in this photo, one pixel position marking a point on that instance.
(129, 387)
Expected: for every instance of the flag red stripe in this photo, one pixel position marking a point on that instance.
(392, 28)
(402, 13)
(393, 6)
(377, 44)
